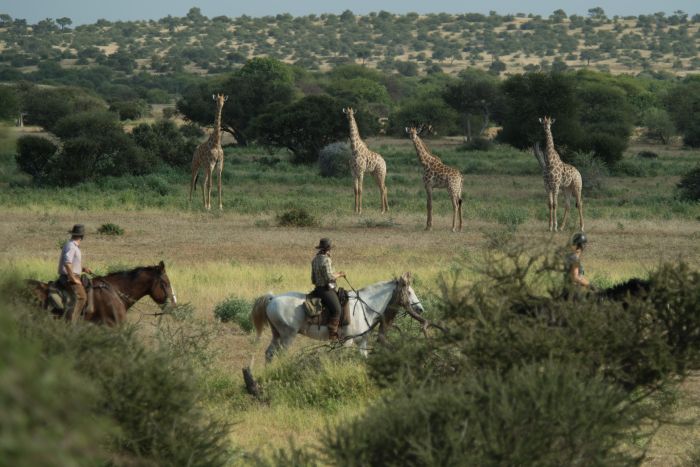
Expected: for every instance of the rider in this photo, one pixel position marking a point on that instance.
(574, 267)
(324, 279)
(69, 269)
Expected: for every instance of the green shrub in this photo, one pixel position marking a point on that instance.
(296, 217)
(42, 399)
(34, 155)
(689, 185)
(593, 172)
(538, 414)
(334, 160)
(235, 309)
(149, 393)
(110, 229)
(647, 155)
(317, 379)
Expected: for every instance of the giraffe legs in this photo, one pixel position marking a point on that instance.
(193, 181)
(579, 205)
(358, 181)
(552, 210)
(429, 194)
(220, 170)
(382, 192)
(567, 206)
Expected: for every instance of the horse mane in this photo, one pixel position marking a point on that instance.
(130, 273)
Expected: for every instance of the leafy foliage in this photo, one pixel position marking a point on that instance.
(165, 141)
(110, 229)
(689, 185)
(235, 309)
(34, 155)
(303, 127)
(296, 217)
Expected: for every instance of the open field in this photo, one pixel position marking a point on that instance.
(634, 222)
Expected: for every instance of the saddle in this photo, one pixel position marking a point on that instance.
(317, 314)
(61, 299)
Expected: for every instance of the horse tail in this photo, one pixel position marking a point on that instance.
(259, 314)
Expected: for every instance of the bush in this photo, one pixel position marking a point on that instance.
(42, 399)
(147, 392)
(34, 155)
(334, 160)
(317, 379)
(129, 110)
(296, 217)
(608, 148)
(538, 414)
(593, 172)
(165, 141)
(235, 309)
(110, 229)
(477, 144)
(647, 155)
(689, 185)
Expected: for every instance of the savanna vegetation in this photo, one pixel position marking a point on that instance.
(520, 376)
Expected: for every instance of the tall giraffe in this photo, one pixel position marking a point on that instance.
(559, 175)
(363, 160)
(438, 175)
(208, 155)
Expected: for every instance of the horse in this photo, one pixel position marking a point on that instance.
(372, 305)
(115, 293)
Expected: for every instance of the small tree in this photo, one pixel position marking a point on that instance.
(34, 155)
(334, 160)
(689, 185)
(303, 127)
(659, 125)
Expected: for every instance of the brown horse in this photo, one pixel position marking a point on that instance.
(115, 293)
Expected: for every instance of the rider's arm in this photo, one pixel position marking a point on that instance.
(71, 275)
(576, 278)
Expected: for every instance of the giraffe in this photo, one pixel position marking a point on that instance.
(209, 155)
(363, 160)
(438, 175)
(558, 175)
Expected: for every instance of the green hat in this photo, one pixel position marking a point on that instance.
(324, 244)
(78, 230)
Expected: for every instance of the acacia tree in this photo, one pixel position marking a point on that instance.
(475, 94)
(252, 90)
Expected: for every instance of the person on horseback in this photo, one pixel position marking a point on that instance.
(70, 267)
(574, 267)
(324, 279)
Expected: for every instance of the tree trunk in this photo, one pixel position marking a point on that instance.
(469, 128)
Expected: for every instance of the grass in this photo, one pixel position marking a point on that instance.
(242, 252)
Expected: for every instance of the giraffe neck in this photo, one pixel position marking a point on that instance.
(355, 141)
(216, 135)
(424, 156)
(550, 152)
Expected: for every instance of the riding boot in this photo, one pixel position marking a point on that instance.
(333, 324)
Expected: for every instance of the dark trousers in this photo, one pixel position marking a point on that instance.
(329, 298)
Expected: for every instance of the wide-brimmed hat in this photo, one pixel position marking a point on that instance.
(324, 244)
(78, 230)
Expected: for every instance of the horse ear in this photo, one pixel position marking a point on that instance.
(161, 266)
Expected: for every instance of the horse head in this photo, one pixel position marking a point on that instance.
(161, 291)
(406, 296)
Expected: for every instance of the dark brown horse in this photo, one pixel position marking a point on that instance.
(115, 293)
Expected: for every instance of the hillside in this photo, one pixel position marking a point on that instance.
(407, 44)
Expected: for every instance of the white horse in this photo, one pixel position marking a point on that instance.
(375, 304)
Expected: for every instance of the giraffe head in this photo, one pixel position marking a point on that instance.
(349, 112)
(415, 131)
(219, 99)
(547, 122)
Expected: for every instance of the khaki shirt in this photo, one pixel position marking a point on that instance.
(70, 254)
(322, 271)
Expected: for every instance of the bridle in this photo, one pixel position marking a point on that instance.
(403, 301)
